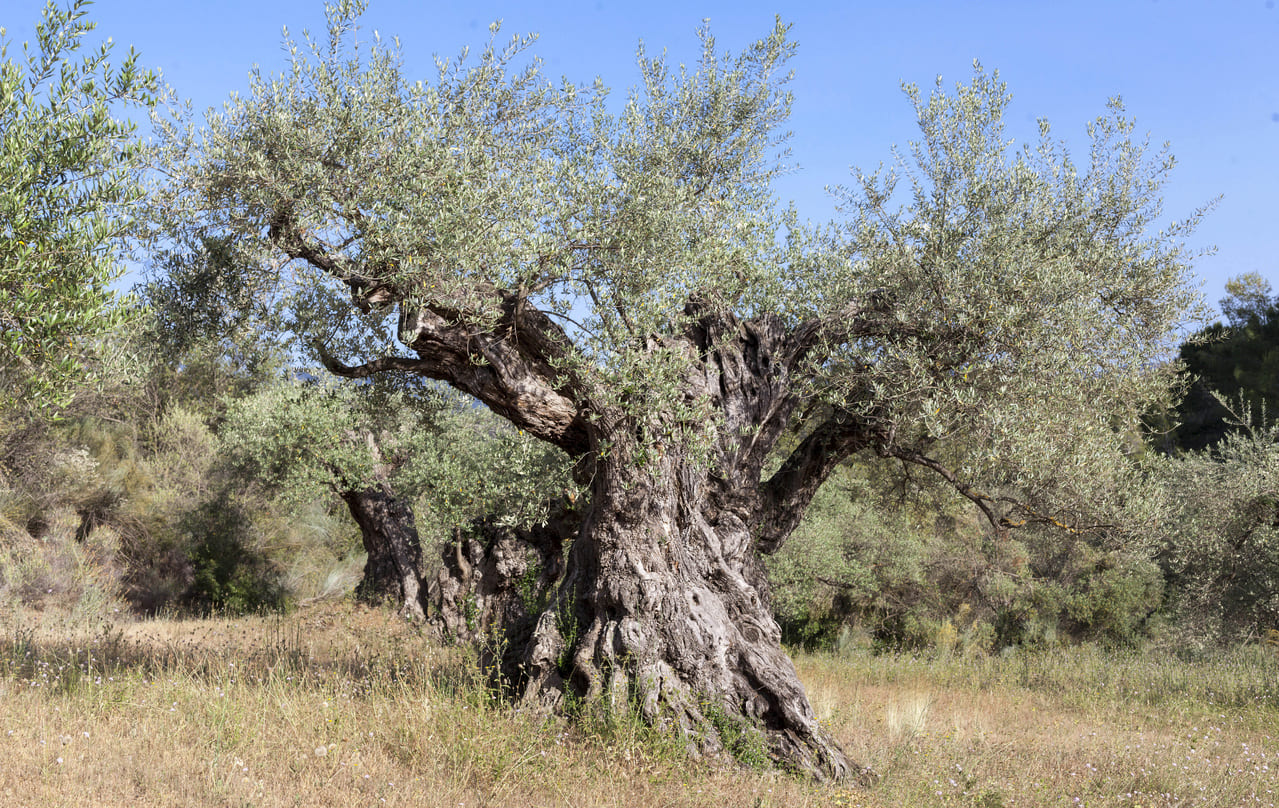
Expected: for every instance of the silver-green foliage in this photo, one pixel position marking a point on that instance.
(68, 183)
(306, 439)
(908, 564)
(1033, 298)
(489, 176)
(1219, 539)
(1013, 295)
(479, 467)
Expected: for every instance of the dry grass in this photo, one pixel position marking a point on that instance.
(337, 705)
(1077, 727)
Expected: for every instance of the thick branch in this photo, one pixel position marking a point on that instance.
(520, 397)
(406, 364)
(291, 239)
(519, 366)
(510, 364)
(865, 317)
(786, 495)
(745, 373)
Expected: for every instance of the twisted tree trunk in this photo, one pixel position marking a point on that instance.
(663, 601)
(664, 605)
(393, 571)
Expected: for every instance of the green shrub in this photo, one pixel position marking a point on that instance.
(916, 569)
(229, 575)
(1218, 540)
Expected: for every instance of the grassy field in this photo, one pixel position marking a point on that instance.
(336, 705)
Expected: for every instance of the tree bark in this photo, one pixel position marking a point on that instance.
(663, 603)
(493, 583)
(664, 609)
(393, 571)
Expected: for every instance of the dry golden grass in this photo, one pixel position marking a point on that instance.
(337, 705)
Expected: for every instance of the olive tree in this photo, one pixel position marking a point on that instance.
(67, 184)
(389, 449)
(626, 287)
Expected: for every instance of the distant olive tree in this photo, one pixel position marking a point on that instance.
(397, 455)
(625, 287)
(68, 184)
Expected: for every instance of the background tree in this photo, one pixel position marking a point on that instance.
(1219, 541)
(141, 495)
(1248, 299)
(625, 288)
(1238, 360)
(887, 558)
(388, 449)
(207, 339)
(68, 182)
(1216, 541)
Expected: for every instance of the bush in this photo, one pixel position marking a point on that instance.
(1218, 541)
(229, 575)
(915, 569)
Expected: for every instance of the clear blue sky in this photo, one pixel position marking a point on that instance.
(1202, 74)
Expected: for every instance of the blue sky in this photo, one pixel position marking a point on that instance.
(1202, 74)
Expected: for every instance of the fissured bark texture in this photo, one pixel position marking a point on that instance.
(664, 607)
(393, 571)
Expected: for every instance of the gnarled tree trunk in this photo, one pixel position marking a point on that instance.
(664, 603)
(495, 580)
(663, 600)
(393, 571)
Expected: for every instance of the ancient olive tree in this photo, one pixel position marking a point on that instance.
(67, 181)
(626, 287)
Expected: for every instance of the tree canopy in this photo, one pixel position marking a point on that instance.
(1014, 290)
(67, 186)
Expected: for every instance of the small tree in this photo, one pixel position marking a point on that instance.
(626, 288)
(382, 448)
(67, 187)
